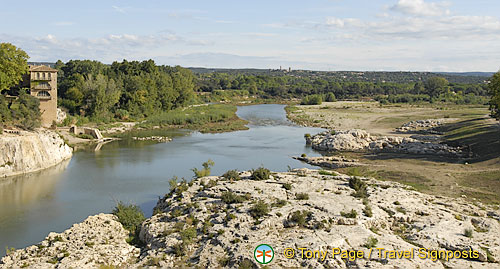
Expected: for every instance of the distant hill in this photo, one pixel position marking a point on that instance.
(477, 74)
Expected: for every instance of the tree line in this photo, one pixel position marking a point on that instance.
(136, 90)
(123, 90)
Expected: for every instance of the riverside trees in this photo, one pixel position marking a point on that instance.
(495, 95)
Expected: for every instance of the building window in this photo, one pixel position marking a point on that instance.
(43, 94)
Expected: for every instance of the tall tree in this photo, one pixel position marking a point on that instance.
(13, 65)
(495, 95)
(435, 86)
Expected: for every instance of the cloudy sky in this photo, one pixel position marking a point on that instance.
(416, 35)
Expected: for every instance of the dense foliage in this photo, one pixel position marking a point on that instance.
(495, 95)
(13, 65)
(126, 90)
(328, 86)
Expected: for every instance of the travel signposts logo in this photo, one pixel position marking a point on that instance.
(263, 254)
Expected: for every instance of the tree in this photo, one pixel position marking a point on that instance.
(13, 65)
(435, 86)
(27, 112)
(494, 87)
(102, 95)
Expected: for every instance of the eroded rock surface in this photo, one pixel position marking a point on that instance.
(98, 241)
(31, 151)
(213, 222)
(423, 126)
(360, 140)
(332, 162)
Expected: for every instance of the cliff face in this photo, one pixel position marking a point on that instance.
(29, 152)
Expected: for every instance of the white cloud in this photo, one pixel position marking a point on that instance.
(421, 8)
(119, 9)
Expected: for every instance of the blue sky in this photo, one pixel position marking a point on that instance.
(416, 35)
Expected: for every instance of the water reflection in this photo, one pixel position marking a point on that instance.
(133, 171)
(23, 190)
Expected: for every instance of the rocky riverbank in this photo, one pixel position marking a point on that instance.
(360, 140)
(217, 222)
(31, 151)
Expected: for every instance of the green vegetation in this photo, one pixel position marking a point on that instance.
(24, 111)
(279, 203)
(312, 100)
(371, 242)
(494, 88)
(287, 186)
(359, 186)
(122, 91)
(196, 117)
(229, 197)
(352, 214)
(341, 85)
(260, 173)
(131, 217)
(259, 209)
(13, 65)
(300, 218)
(232, 175)
(468, 233)
(205, 171)
(301, 196)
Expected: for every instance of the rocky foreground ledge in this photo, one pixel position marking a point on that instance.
(214, 222)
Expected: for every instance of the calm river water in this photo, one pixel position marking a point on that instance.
(137, 172)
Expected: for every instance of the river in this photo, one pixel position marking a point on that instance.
(137, 172)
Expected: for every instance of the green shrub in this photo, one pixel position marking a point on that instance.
(187, 235)
(205, 171)
(301, 196)
(130, 216)
(359, 186)
(300, 218)
(468, 233)
(353, 214)
(229, 197)
(314, 99)
(260, 173)
(330, 97)
(259, 210)
(371, 242)
(368, 211)
(232, 175)
(279, 203)
(287, 186)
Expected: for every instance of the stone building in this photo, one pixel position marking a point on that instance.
(42, 82)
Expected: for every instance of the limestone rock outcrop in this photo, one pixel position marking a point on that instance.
(31, 151)
(212, 222)
(360, 140)
(98, 241)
